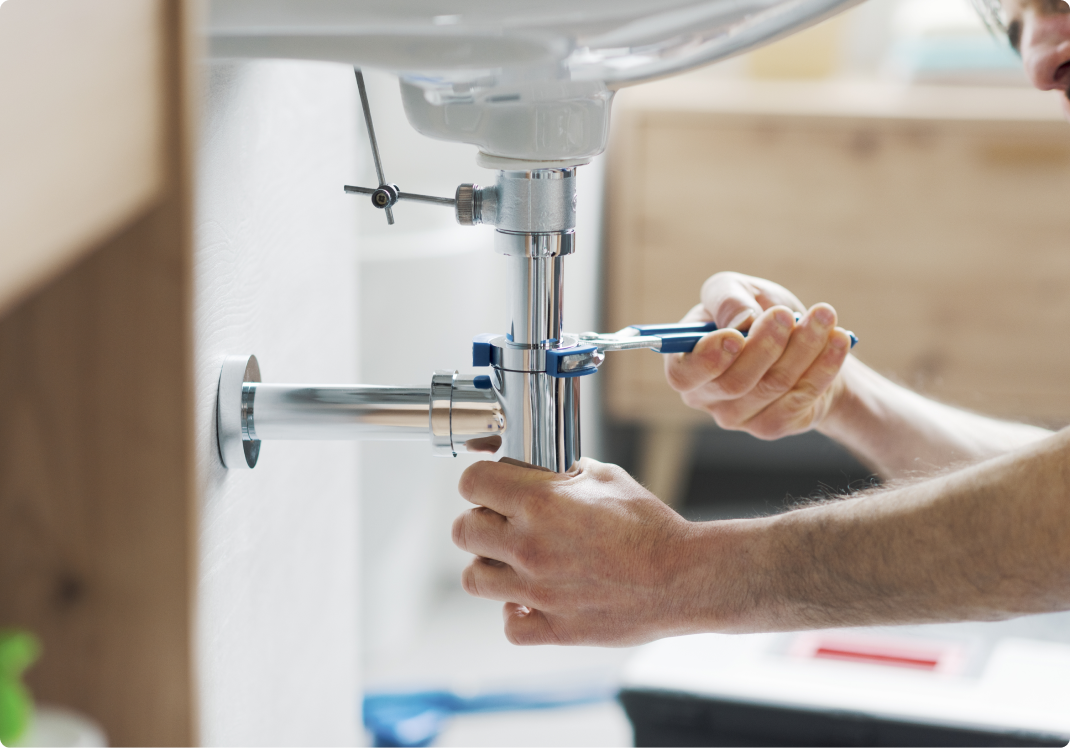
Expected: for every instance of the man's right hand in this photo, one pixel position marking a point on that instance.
(783, 379)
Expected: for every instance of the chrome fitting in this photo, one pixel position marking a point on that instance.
(465, 205)
(235, 432)
(514, 244)
(439, 423)
(454, 409)
(539, 201)
(475, 205)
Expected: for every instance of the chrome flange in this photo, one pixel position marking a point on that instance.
(233, 426)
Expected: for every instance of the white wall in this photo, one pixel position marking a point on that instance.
(427, 287)
(276, 275)
(286, 266)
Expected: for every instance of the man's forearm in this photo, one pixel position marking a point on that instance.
(986, 542)
(901, 433)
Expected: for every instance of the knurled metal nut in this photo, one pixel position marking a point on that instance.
(466, 204)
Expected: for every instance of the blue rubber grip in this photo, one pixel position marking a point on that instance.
(679, 342)
(481, 349)
(681, 337)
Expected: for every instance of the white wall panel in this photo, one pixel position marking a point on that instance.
(276, 275)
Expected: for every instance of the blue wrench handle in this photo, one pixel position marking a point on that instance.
(681, 337)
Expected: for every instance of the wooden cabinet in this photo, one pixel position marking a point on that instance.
(97, 485)
(934, 220)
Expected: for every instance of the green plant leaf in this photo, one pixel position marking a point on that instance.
(18, 650)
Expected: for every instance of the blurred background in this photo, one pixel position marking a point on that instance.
(891, 161)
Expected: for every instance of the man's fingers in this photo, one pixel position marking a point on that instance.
(808, 339)
(794, 410)
(765, 345)
(736, 300)
(483, 532)
(730, 301)
(771, 294)
(697, 313)
(500, 486)
(527, 626)
(492, 580)
(711, 356)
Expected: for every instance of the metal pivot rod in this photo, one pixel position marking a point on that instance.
(451, 411)
(385, 195)
(380, 201)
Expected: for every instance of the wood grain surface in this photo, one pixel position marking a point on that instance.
(97, 486)
(941, 240)
(82, 137)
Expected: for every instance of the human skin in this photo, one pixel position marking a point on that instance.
(1040, 31)
(793, 377)
(591, 557)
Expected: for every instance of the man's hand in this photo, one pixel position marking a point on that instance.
(585, 557)
(782, 379)
(590, 557)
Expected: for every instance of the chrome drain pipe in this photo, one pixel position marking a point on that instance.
(452, 410)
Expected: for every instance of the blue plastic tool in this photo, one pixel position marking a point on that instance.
(676, 337)
(415, 718)
(681, 337)
(481, 348)
(553, 362)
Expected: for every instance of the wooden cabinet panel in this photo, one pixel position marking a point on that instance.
(942, 241)
(96, 486)
(82, 132)
(97, 474)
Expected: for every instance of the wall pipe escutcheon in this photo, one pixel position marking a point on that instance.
(235, 449)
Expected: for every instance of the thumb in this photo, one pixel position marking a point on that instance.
(735, 300)
(526, 626)
(731, 301)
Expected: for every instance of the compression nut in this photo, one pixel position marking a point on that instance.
(467, 215)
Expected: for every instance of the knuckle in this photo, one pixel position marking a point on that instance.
(725, 276)
(517, 635)
(767, 427)
(775, 383)
(729, 422)
(538, 504)
(541, 597)
(466, 485)
(458, 532)
(469, 580)
(693, 399)
(776, 341)
(804, 394)
(617, 473)
(676, 376)
(528, 556)
(734, 387)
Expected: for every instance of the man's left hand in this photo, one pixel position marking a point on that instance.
(584, 557)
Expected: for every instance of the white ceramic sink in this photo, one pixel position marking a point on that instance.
(521, 79)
